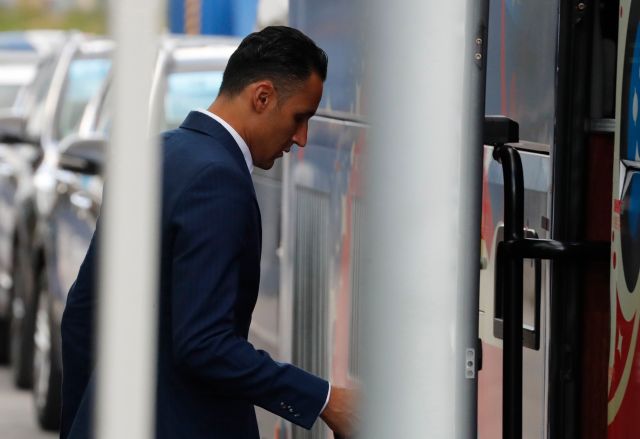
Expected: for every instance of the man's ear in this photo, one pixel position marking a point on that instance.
(263, 95)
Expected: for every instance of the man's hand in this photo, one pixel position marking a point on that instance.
(340, 412)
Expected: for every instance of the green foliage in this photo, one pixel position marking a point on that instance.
(23, 18)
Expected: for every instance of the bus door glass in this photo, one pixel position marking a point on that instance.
(521, 85)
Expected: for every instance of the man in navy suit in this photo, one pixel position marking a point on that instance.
(209, 375)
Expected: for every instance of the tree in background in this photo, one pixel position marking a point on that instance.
(84, 15)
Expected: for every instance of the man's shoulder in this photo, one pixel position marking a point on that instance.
(190, 151)
(191, 158)
(192, 144)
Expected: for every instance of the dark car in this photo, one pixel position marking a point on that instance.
(76, 76)
(27, 61)
(21, 56)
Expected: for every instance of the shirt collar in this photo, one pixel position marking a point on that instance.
(244, 148)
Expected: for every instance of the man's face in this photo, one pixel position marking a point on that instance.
(285, 123)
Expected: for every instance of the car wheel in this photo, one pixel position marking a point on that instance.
(22, 327)
(4, 339)
(47, 373)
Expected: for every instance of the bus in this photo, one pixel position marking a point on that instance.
(567, 74)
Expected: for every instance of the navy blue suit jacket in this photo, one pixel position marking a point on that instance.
(209, 375)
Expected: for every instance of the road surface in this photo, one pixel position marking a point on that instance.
(17, 419)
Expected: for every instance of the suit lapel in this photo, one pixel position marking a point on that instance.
(197, 121)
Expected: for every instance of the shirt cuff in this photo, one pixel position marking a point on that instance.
(326, 402)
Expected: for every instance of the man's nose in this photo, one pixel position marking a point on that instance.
(300, 137)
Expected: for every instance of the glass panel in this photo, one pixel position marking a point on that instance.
(103, 123)
(8, 95)
(84, 78)
(40, 91)
(187, 91)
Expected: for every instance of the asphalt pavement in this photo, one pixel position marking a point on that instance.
(17, 418)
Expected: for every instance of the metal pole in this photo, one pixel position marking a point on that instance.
(423, 232)
(129, 256)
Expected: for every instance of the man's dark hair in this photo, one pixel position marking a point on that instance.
(281, 54)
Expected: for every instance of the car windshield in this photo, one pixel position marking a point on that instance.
(84, 79)
(187, 91)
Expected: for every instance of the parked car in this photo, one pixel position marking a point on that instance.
(21, 54)
(188, 75)
(78, 74)
(27, 61)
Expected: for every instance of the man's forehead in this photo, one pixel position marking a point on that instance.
(311, 91)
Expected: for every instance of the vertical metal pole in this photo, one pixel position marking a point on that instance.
(423, 213)
(129, 258)
(512, 294)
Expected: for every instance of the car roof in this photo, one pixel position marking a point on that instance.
(30, 45)
(183, 40)
(199, 49)
(95, 45)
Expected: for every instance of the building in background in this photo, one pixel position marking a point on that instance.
(225, 17)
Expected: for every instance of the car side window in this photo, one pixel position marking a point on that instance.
(103, 121)
(187, 91)
(84, 79)
(13, 78)
(40, 90)
(8, 94)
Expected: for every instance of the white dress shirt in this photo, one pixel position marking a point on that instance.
(244, 148)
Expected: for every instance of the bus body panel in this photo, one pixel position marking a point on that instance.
(624, 354)
(323, 195)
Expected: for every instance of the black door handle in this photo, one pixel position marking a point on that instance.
(530, 335)
(512, 251)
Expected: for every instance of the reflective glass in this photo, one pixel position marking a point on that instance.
(8, 95)
(84, 79)
(40, 90)
(187, 91)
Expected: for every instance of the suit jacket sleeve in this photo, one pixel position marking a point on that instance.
(210, 230)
